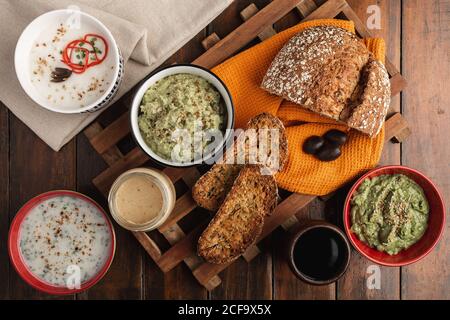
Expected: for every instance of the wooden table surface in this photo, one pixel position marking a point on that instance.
(417, 34)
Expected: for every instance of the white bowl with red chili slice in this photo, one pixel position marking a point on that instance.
(68, 62)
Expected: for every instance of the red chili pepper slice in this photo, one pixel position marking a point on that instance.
(76, 67)
(79, 44)
(105, 44)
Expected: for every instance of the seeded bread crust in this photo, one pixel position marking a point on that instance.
(240, 219)
(323, 69)
(210, 190)
(368, 116)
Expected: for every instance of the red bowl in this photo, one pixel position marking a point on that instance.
(436, 220)
(16, 256)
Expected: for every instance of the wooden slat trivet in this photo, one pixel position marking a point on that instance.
(258, 24)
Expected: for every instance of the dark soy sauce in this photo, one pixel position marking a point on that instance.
(320, 254)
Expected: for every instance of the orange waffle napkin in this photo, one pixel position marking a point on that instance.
(243, 75)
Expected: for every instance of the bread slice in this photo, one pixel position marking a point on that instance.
(240, 219)
(211, 189)
(373, 103)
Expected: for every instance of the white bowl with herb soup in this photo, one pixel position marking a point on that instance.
(61, 242)
(68, 62)
(182, 115)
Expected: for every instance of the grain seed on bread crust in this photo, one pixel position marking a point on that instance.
(368, 116)
(240, 219)
(211, 189)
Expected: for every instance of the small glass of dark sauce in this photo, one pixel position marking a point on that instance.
(319, 253)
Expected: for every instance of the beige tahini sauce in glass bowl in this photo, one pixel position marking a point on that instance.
(141, 199)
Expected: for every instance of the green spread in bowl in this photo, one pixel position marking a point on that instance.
(389, 212)
(180, 101)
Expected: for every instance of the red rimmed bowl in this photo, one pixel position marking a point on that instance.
(16, 255)
(436, 220)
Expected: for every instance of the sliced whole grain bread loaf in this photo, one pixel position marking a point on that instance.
(240, 219)
(325, 69)
(211, 189)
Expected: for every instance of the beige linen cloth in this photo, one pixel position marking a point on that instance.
(147, 32)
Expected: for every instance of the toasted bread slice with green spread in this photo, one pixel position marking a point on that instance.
(240, 219)
(210, 190)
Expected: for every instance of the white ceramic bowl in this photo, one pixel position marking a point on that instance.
(177, 69)
(52, 19)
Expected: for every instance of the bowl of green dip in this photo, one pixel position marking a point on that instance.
(394, 215)
(182, 115)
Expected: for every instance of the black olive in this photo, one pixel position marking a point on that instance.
(60, 74)
(313, 144)
(329, 152)
(336, 136)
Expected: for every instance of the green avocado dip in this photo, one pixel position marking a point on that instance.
(389, 212)
(181, 101)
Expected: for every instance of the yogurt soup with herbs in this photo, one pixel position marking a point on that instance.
(71, 66)
(185, 102)
(64, 231)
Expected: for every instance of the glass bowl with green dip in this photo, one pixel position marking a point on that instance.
(394, 215)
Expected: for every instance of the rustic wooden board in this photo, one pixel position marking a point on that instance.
(258, 23)
(426, 47)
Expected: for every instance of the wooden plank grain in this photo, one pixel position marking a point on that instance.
(329, 9)
(112, 134)
(306, 7)
(181, 250)
(149, 245)
(35, 169)
(295, 207)
(249, 12)
(426, 65)
(184, 205)
(4, 202)
(353, 284)
(246, 31)
(111, 155)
